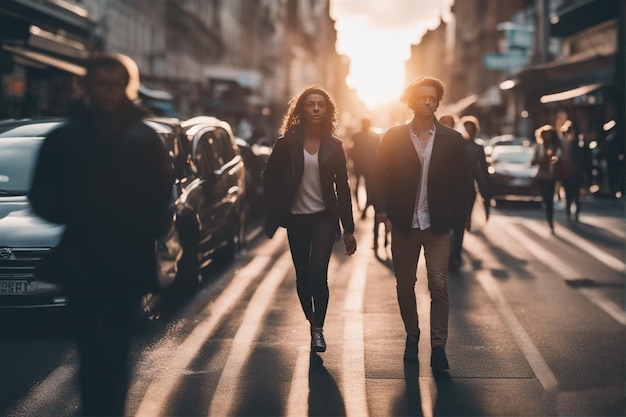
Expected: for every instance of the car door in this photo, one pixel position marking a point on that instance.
(218, 165)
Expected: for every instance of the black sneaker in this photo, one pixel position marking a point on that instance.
(438, 360)
(318, 344)
(410, 348)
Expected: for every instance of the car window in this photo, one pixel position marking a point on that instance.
(17, 162)
(522, 156)
(207, 155)
(227, 147)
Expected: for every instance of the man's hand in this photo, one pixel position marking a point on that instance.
(350, 243)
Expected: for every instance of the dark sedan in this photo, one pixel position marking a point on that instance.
(512, 172)
(220, 167)
(25, 238)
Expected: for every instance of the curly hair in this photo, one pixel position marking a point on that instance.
(409, 95)
(294, 118)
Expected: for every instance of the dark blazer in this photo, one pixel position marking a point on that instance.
(397, 175)
(112, 192)
(283, 174)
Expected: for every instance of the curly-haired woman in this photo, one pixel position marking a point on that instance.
(306, 189)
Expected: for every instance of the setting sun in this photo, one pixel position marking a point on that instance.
(377, 38)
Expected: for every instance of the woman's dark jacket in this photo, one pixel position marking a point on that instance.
(397, 176)
(112, 191)
(283, 174)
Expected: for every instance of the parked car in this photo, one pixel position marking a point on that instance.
(503, 140)
(255, 157)
(24, 237)
(512, 172)
(220, 167)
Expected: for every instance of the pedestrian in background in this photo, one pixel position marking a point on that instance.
(107, 177)
(448, 120)
(570, 169)
(307, 191)
(363, 153)
(547, 155)
(419, 184)
(478, 177)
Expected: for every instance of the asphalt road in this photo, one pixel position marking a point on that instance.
(536, 329)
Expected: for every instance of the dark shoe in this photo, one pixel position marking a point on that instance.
(318, 344)
(410, 348)
(438, 360)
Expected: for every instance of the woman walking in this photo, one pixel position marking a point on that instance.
(547, 155)
(306, 189)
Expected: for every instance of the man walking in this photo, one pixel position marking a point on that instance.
(477, 166)
(363, 152)
(107, 177)
(419, 183)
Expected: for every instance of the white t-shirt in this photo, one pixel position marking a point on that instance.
(309, 198)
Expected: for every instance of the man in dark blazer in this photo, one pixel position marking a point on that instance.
(420, 191)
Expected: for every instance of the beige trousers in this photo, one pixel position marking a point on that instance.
(405, 249)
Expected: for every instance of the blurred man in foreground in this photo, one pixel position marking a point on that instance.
(107, 177)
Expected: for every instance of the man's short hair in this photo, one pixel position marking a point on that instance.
(110, 61)
(408, 97)
(471, 120)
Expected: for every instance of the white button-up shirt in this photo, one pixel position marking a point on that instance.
(421, 214)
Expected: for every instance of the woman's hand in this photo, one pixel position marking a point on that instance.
(350, 243)
(382, 218)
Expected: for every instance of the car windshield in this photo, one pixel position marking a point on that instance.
(17, 161)
(518, 156)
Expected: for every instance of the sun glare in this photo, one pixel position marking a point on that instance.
(377, 60)
(377, 38)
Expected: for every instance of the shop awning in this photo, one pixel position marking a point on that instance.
(460, 105)
(569, 94)
(40, 58)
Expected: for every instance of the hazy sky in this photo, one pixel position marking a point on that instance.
(376, 35)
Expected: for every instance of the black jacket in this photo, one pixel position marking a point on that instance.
(283, 174)
(112, 192)
(397, 175)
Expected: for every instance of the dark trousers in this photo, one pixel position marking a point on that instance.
(311, 239)
(546, 188)
(457, 233)
(572, 195)
(102, 325)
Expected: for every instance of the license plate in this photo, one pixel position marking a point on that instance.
(13, 287)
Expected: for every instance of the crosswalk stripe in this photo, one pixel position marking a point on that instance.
(223, 399)
(297, 403)
(572, 238)
(564, 270)
(540, 368)
(353, 347)
(156, 397)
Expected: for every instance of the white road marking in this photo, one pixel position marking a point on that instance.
(572, 238)
(157, 395)
(564, 270)
(354, 347)
(298, 401)
(242, 345)
(539, 367)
